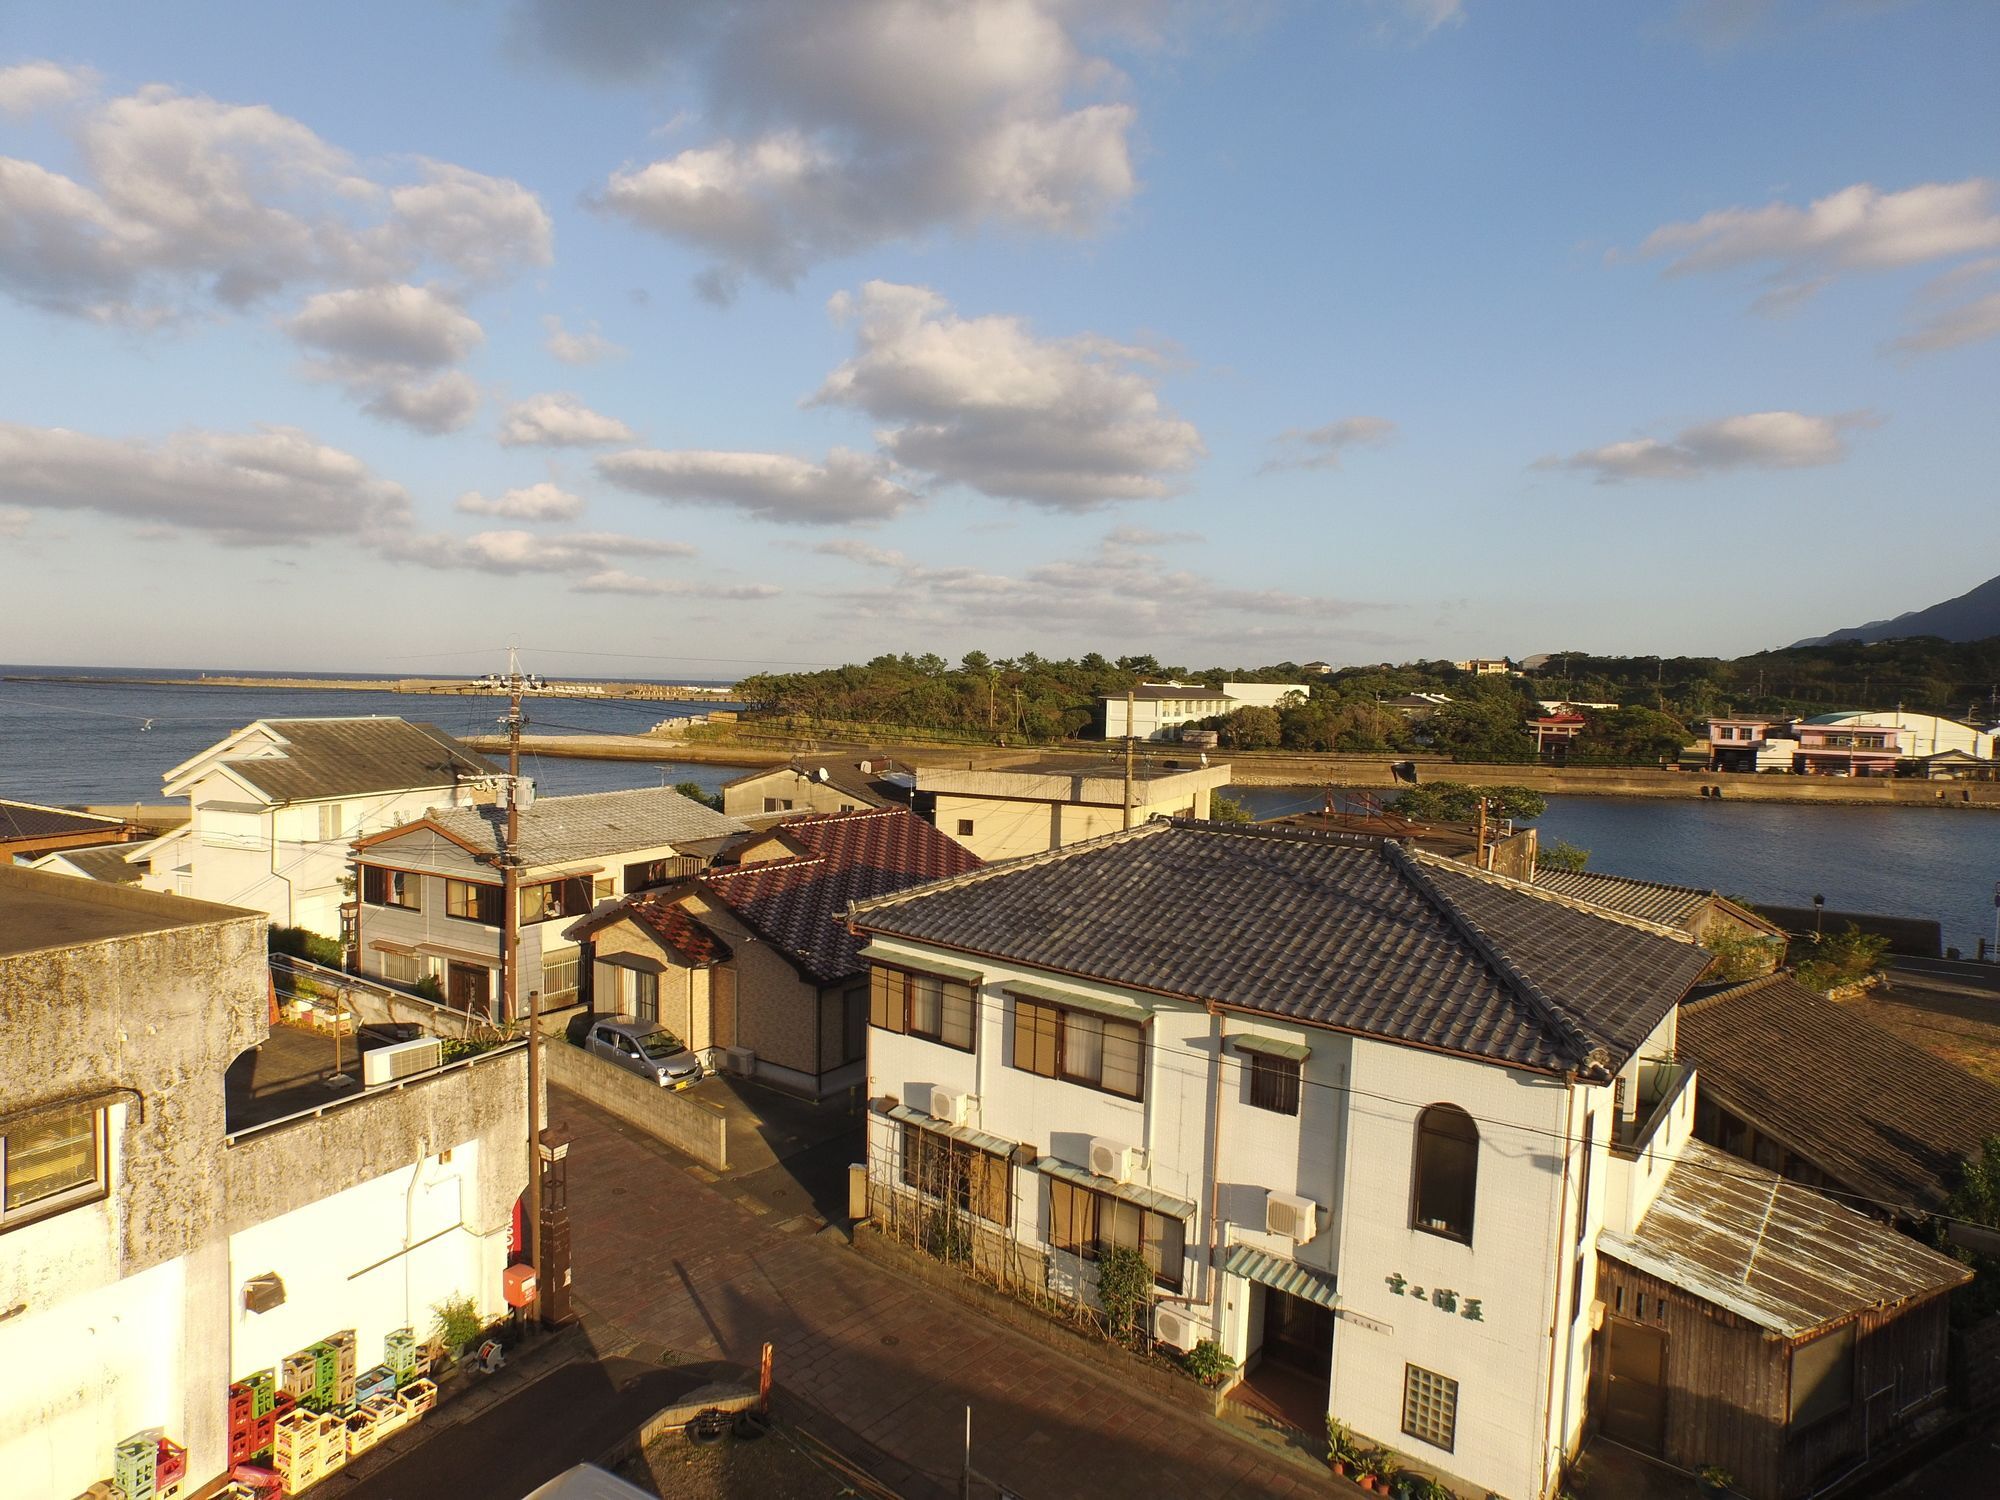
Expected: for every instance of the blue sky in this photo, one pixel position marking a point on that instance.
(709, 338)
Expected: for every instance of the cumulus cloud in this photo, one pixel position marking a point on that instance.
(1860, 228)
(558, 420)
(1322, 447)
(1947, 317)
(834, 125)
(183, 204)
(276, 484)
(442, 405)
(585, 347)
(1070, 423)
(14, 520)
(534, 502)
(1757, 440)
(847, 487)
(382, 342)
(618, 581)
(30, 87)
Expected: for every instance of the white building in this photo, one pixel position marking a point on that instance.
(1923, 735)
(1160, 710)
(1364, 1112)
(274, 807)
(156, 1171)
(1004, 812)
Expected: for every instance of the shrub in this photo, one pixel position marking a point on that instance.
(1208, 1363)
(1223, 809)
(1740, 955)
(1562, 855)
(946, 1236)
(693, 792)
(455, 1323)
(1843, 957)
(1340, 1445)
(430, 989)
(1124, 1288)
(298, 942)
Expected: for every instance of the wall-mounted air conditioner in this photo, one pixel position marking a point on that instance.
(1113, 1159)
(400, 1060)
(948, 1105)
(1174, 1327)
(1294, 1217)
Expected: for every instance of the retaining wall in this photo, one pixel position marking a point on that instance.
(691, 1126)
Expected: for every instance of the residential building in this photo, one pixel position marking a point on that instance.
(1318, 668)
(274, 807)
(1264, 694)
(1484, 666)
(1919, 735)
(1415, 705)
(29, 830)
(1373, 1119)
(111, 863)
(1834, 747)
(753, 966)
(1750, 744)
(1036, 806)
(430, 891)
(1819, 1093)
(1702, 915)
(1160, 710)
(829, 786)
(164, 1233)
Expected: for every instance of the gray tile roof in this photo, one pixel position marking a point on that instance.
(348, 757)
(1356, 934)
(32, 820)
(595, 825)
(1672, 905)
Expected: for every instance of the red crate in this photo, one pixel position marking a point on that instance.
(242, 1407)
(262, 1431)
(240, 1440)
(172, 1466)
(281, 1402)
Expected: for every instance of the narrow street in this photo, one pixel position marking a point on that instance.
(670, 1263)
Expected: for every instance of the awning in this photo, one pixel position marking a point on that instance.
(435, 950)
(1123, 1010)
(1130, 1192)
(1271, 1047)
(1281, 1275)
(992, 1144)
(875, 954)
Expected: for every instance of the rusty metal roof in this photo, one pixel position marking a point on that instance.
(1774, 1253)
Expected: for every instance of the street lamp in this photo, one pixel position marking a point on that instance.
(1819, 905)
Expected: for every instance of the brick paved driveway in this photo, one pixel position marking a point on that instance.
(664, 1259)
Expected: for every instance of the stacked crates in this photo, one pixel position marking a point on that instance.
(345, 1366)
(135, 1465)
(326, 1376)
(169, 1470)
(307, 1447)
(399, 1353)
(418, 1397)
(298, 1374)
(242, 1422)
(380, 1381)
(363, 1431)
(390, 1415)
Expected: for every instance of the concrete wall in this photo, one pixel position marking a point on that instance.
(805, 793)
(689, 1125)
(1014, 813)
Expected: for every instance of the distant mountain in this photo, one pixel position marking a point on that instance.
(1972, 616)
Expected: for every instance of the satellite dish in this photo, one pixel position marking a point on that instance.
(822, 773)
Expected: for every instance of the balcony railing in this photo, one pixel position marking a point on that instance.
(1661, 1085)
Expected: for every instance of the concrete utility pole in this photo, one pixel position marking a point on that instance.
(510, 973)
(1130, 698)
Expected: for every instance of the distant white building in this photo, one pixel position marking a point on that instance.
(1160, 710)
(1923, 735)
(274, 808)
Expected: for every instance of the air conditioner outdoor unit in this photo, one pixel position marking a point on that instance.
(1294, 1217)
(400, 1060)
(1173, 1327)
(1113, 1159)
(948, 1105)
(742, 1061)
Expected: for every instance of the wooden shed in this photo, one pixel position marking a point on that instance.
(1752, 1323)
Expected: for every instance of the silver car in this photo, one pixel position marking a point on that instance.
(656, 1055)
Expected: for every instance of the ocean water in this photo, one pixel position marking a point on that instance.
(65, 742)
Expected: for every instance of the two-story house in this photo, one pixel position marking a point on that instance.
(274, 807)
(164, 1233)
(1365, 1113)
(1750, 743)
(431, 897)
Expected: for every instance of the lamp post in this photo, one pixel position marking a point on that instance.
(1819, 906)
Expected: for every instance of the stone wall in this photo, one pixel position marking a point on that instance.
(692, 1126)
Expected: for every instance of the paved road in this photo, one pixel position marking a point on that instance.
(672, 1261)
(1956, 975)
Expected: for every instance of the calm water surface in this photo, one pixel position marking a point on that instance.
(63, 742)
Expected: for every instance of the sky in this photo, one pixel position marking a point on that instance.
(697, 339)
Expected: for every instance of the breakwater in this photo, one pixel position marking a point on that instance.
(458, 687)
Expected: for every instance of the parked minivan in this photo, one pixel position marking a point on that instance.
(649, 1050)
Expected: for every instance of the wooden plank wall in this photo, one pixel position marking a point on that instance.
(1900, 1356)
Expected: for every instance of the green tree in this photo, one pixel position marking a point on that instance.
(1740, 956)
(1223, 809)
(1455, 802)
(1489, 727)
(1254, 728)
(693, 792)
(1975, 1200)
(1562, 855)
(1840, 958)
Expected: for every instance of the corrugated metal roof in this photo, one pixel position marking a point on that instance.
(1777, 1254)
(323, 758)
(1131, 1192)
(1281, 1275)
(993, 1144)
(1103, 1005)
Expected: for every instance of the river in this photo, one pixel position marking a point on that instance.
(64, 742)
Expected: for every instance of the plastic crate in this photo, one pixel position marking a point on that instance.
(243, 1443)
(344, 1344)
(380, 1381)
(242, 1406)
(133, 1465)
(299, 1373)
(399, 1353)
(418, 1397)
(171, 1466)
(264, 1387)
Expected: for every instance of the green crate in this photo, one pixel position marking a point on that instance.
(400, 1353)
(135, 1464)
(264, 1388)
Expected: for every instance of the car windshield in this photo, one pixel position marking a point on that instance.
(660, 1044)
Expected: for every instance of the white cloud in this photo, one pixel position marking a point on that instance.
(511, 551)
(577, 348)
(1757, 440)
(14, 520)
(444, 404)
(30, 87)
(276, 484)
(558, 420)
(837, 126)
(183, 203)
(848, 487)
(535, 502)
(618, 581)
(1322, 447)
(1066, 423)
(1860, 228)
(1428, 16)
(380, 342)
(1955, 319)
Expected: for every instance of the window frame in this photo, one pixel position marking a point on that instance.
(921, 1147)
(552, 900)
(332, 821)
(1028, 1014)
(562, 958)
(964, 828)
(383, 885)
(1422, 1166)
(1274, 1082)
(892, 999)
(481, 901)
(77, 1195)
(1815, 1409)
(1077, 1223)
(1442, 1396)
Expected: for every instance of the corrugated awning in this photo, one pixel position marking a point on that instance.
(1103, 1005)
(992, 1144)
(1271, 1047)
(1281, 1275)
(435, 950)
(874, 953)
(1131, 1192)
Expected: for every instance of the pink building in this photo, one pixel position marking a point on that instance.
(1740, 745)
(1848, 750)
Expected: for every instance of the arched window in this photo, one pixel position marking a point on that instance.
(1447, 1172)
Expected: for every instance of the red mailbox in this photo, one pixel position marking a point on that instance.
(520, 1284)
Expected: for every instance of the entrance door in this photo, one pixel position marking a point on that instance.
(1635, 1397)
(1297, 1332)
(469, 987)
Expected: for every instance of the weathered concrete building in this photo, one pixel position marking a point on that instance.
(1005, 812)
(144, 1190)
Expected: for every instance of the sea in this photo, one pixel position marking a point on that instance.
(112, 740)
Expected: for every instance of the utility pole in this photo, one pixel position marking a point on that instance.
(510, 973)
(1130, 699)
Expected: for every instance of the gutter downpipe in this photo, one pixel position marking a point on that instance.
(1556, 1335)
(1215, 1173)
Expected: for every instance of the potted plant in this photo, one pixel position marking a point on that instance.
(1715, 1480)
(454, 1325)
(1340, 1446)
(1374, 1468)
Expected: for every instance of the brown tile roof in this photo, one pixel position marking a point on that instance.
(799, 906)
(1780, 1255)
(1877, 1114)
(869, 788)
(674, 924)
(1356, 934)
